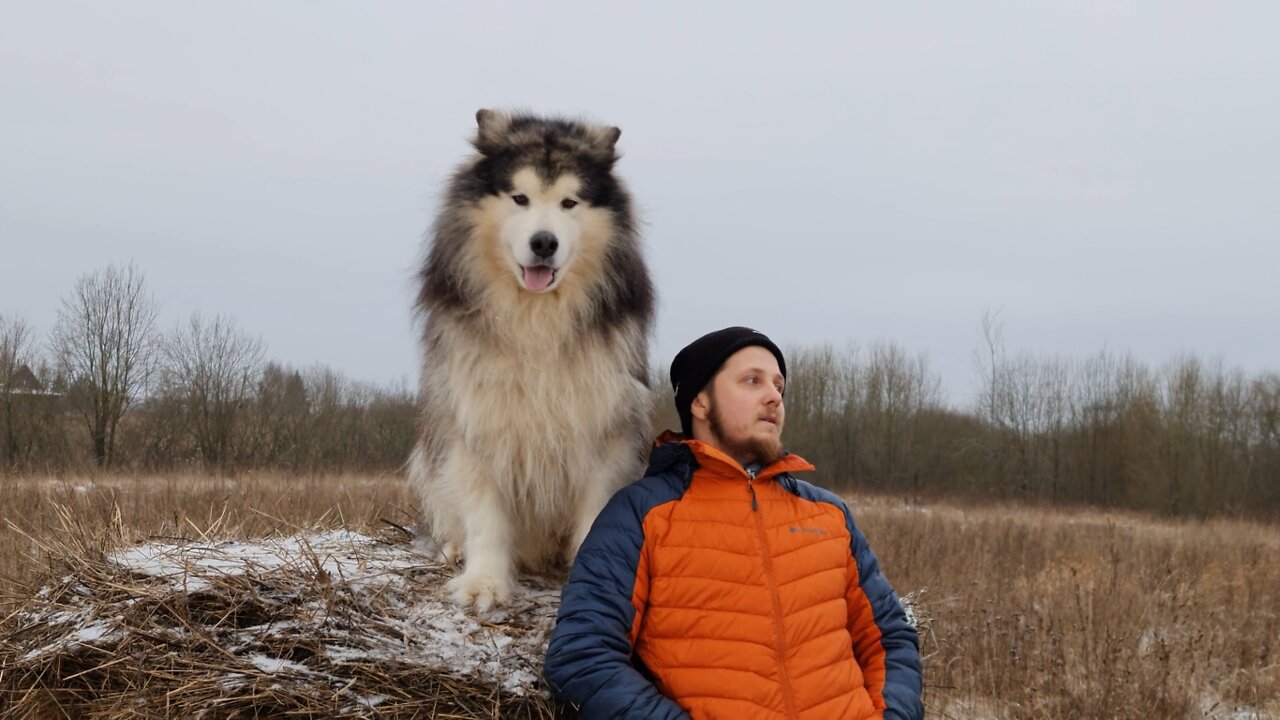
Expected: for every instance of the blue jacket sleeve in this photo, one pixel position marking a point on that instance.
(588, 659)
(901, 642)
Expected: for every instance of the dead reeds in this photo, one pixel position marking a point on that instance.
(330, 623)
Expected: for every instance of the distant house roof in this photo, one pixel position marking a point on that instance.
(24, 381)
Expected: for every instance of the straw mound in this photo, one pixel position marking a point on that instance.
(325, 624)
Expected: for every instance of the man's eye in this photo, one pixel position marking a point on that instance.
(520, 199)
(568, 203)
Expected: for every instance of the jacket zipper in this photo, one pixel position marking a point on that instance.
(778, 636)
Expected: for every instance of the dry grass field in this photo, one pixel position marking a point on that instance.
(1029, 613)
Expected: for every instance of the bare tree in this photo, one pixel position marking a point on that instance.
(15, 350)
(988, 360)
(212, 369)
(105, 343)
(897, 390)
(280, 418)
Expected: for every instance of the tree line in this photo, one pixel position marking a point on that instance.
(1188, 438)
(111, 390)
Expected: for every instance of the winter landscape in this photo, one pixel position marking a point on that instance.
(1021, 258)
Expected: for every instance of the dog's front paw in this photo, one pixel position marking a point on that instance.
(480, 589)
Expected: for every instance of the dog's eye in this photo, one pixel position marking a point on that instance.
(568, 203)
(521, 199)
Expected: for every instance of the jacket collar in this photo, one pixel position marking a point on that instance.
(672, 447)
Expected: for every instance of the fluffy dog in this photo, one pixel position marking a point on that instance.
(537, 309)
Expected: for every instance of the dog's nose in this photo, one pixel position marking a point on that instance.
(543, 244)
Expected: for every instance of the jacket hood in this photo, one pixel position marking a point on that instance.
(669, 451)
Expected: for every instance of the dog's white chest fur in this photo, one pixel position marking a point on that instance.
(535, 417)
(530, 442)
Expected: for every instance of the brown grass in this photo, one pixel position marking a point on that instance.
(1078, 614)
(1034, 613)
(250, 506)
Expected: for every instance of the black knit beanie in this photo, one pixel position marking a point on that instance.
(701, 359)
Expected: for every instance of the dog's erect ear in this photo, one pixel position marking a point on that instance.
(491, 124)
(603, 141)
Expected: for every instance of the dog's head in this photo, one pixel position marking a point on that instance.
(546, 198)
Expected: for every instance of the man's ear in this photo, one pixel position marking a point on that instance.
(700, 408)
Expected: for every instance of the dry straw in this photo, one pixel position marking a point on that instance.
(323, 624)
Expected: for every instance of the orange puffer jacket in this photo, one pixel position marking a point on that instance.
(704, 592)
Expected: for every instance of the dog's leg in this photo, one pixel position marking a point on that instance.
(590, 502)
(486, 578)
(618, 466)
(437, 525)
(449, 553)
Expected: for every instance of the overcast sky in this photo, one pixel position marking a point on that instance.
(1107, 174)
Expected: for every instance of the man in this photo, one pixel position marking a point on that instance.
(719, 586)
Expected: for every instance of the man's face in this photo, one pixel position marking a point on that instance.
(743, 406)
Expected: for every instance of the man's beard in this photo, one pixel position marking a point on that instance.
(761, 450)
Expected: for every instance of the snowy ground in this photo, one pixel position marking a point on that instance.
(345, 597)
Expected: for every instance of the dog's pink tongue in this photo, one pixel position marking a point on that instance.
(538, 278)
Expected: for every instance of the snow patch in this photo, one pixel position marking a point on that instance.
(348, 597)
(275, 665)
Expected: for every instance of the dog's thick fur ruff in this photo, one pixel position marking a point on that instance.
(535, 402)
